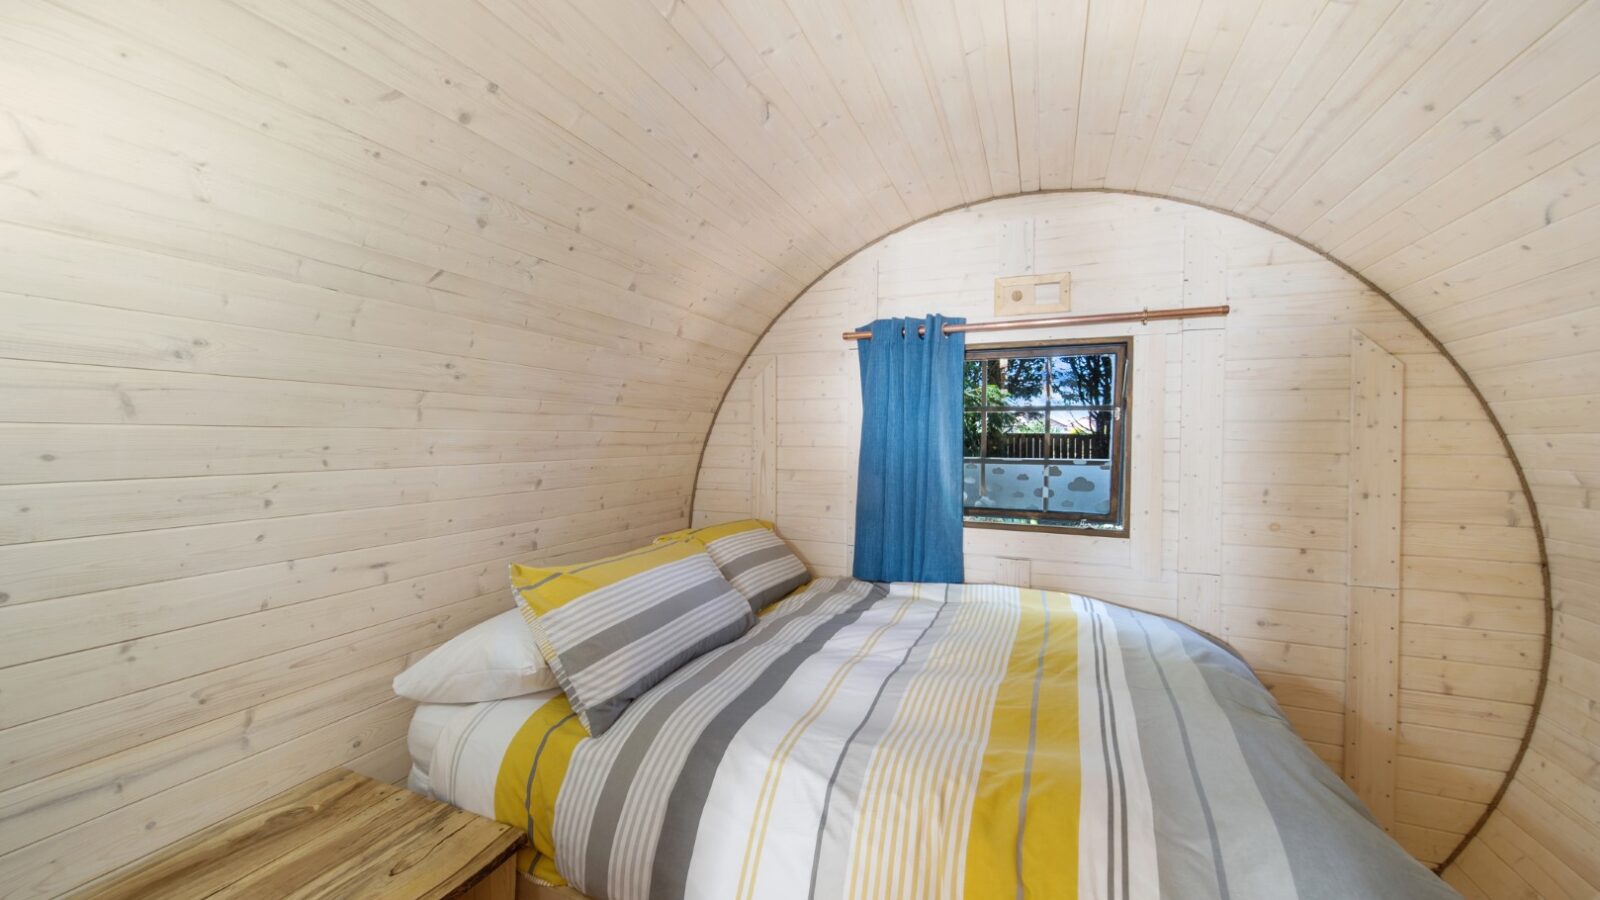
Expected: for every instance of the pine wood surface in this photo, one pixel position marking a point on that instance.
(340, 834)
(483, 270)
(1273, 453)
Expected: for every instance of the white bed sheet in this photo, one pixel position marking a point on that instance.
(427, 724)
(456, 748)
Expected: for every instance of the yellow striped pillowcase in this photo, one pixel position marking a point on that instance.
(614, 628)
(752, 557)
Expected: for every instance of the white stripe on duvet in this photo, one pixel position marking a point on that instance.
(594, 759)
(633, 851)
(794, 796)
(1144, 878)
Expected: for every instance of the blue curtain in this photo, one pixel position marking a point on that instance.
(908, 495)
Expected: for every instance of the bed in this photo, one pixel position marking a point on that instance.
(921, 741)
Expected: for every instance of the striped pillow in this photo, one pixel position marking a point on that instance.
(614, 628)
(752, 557)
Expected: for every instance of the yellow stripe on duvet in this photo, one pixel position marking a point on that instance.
(530, 777)
(1027, 793)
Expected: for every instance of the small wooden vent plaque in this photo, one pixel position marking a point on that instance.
(1032, 295)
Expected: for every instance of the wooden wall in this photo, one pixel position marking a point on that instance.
(1310, 479)
(392, 195)
(292, 364)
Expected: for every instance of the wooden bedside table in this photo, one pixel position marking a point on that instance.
(338, 835)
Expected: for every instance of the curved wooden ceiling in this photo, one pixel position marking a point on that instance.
(1444, 150)
(660, 178)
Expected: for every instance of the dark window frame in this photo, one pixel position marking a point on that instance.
(1117, 525)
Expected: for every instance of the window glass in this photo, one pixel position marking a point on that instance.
(1042, 436)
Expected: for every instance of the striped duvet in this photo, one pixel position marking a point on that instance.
(927, 741)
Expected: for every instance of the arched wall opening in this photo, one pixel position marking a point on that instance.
(1244, 450)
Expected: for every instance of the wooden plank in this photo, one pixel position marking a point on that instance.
(45, 746)
(1146, 475)
(1202, 426)
(1014, 571)
(1015, 247)
(500, 884)
(392, 229)
(339, 832)
(1200, 601)
(764, 442)
(1377, 404)
(1372, 697)
(46, 806)
(1275, 513)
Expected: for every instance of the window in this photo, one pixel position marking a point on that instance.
(1043, 434)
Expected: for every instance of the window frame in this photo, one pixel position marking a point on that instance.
(1121, 347)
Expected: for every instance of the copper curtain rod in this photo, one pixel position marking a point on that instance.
(1143, 316)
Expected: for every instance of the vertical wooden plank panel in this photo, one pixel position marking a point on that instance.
(1201, 428)
(1377, 411)
(864, 306)
(1147, 440)
(1377, 419)
(1372, 706)
(764, 442)
(1201, 416)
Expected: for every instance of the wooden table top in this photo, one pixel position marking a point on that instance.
(338, 835)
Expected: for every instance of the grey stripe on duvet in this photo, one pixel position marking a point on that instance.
(1189, 858)
(675, 847)
(1251, 850)
(1317, 856)
(633, 849)
(602, 805)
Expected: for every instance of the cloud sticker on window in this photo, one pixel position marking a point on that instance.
(1080, 484)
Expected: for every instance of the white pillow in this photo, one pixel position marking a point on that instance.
(492, 660)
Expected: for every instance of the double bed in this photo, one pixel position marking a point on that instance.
(922, 741)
